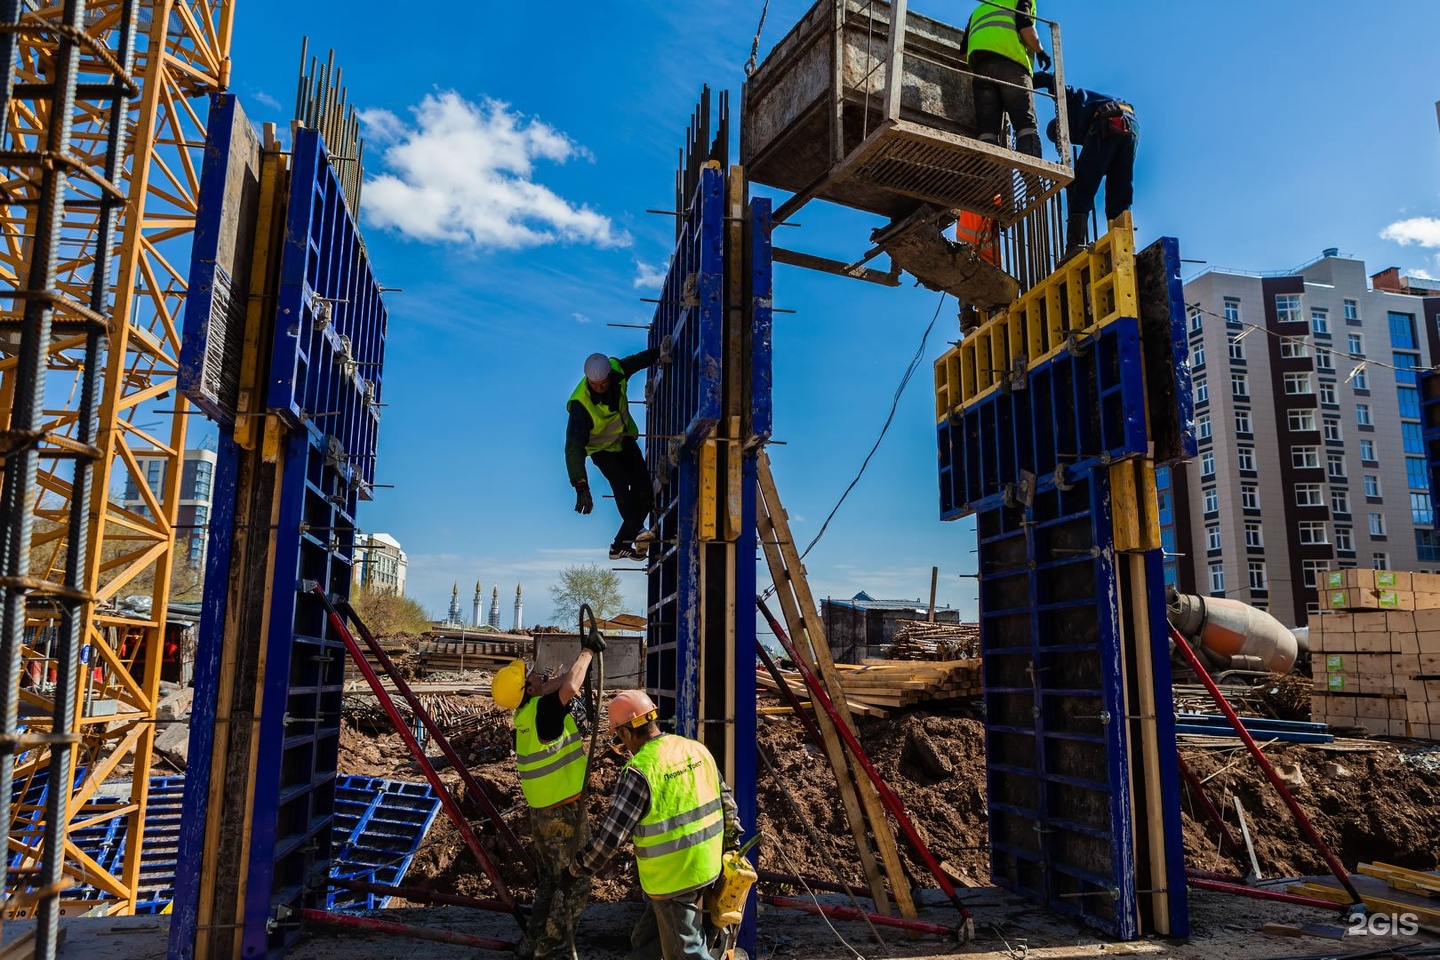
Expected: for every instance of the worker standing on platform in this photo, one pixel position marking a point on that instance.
(999, 41)
(683, 819)
(1108, 135)
(550, 755)
(601, 428)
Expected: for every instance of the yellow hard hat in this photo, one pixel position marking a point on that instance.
(508, 686)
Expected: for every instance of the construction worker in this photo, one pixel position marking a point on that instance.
(601, 428)
(671, 800)
(999, 41)
(1107, 134)
(550, 754)
(983, 234)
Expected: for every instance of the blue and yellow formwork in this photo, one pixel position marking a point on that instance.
(1051, 420)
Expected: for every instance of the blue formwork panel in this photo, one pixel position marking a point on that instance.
(1081, 409)
(684, 399)
(762, 294)
(1429, 385)
(1059, 791)
(1163, 329)
(378, 828)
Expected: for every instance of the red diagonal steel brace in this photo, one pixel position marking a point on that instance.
(417, 896)
(349, 921)
(1257, 893)
(892, 803)
(447, 800)
(1311, 834)
(473, 789)
(1198, 788)
(840, 912)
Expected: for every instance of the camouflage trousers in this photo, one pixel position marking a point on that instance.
(559, 834)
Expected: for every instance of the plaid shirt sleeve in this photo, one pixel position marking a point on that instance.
(631, 802)
(733, 827)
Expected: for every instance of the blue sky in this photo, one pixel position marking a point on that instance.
(514, 148)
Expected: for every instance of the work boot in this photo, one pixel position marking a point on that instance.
(643, 539)
(623, 551)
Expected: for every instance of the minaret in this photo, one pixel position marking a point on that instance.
(479, 606)
(519, 610)
(495, 608)
(454, 605)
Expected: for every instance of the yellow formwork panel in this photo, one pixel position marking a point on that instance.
(1135, 506)
(1087, 292)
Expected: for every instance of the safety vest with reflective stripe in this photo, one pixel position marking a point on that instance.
(680, 841)
(607, 427)
(553, 772)
(992, 29)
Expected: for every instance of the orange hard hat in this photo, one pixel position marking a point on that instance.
(632, 708)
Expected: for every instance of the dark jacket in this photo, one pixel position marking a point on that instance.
(1083, 108)
(577, 430)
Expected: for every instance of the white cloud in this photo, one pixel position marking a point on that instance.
(464, 173)
(265, 100)
(1418, 273)
(1421, 231)
(580, 318)
(648, 276)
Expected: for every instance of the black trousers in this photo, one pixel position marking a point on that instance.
(1107, 154)
(1015, 96)
(630, 482)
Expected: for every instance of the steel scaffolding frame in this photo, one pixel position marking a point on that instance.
(94, 363)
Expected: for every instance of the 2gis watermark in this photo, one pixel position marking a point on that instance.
(1382, 925)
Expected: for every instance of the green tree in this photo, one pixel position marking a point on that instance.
(390, 614)
(586, 583)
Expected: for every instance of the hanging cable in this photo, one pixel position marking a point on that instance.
(755, 46)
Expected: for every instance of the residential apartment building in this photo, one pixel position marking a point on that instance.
(1307, 414)
(379, 564)
(192, 525)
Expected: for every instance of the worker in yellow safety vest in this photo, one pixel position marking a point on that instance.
(999, 42)
(682, 817)
(600, 427)
(550, 754)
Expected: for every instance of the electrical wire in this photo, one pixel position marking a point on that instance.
(843, 942)
(894, 406)
(1306, 339)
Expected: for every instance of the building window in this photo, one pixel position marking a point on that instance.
(1362, 415)
(1287, 307)
(1332, 430)
(1232, 311)
(1327, 394)
(1324, 360)
(1197, 319)
(1405, 366)
(1217, 578)
(1427, 546)
(1240, 385)
(1340, 502)
(1409, 398)
(1212, 501)
(1207, 464)
(1320, 321)
(1377, 526)
(1305, 458)
(1294, 348)
(1242, 422)
(1308, 495)
(1372, 485)
(1257, 574)
(1422, 512)
(1212, 537)
(1313, 571)
(1367, 451)
(1402, 331)
(1245, 458)
(1416, 474)
(1254, 537)
(1380, 561)
(1344, 540)
(1413, 438)
(1197, 356)
(1356, 343)
(1202, 390)
(1302, 421)
(1335, 466)
(1298, 383)
(1359, 381)
(1352, 310)
(1202, 426)
(1314, 532)
(1237, 350)
(1249, 496)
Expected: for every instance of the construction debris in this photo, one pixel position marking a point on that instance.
(876, 687)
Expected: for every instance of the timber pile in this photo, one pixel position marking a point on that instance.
(879, 686)
(922, 640)
(400, 649)
(446, 656)
(1385, 889)
(452, 714)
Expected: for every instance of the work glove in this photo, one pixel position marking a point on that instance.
(594, 641)
(584, 503)
(1043, 58)
(667, 345)
(568, 880)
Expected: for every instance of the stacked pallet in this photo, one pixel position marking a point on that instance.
(879, 686)
(922, 640)
(1378, 671)
(1355, 589)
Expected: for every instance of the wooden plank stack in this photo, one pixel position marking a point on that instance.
(878, 686)
(442, 656)
(922, 640)
(1355, 589)
(1377, 670)
(1385, 889)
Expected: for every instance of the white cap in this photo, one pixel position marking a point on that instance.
(597, 367)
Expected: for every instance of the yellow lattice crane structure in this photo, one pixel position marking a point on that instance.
(99, 177)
